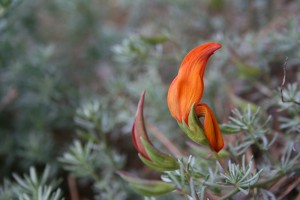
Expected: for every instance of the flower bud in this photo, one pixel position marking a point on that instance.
(149, 155)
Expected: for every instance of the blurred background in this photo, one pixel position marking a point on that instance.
(71, 73)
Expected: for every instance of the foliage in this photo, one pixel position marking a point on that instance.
(251, 124)
(32, 187)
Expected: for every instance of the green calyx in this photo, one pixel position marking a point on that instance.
(194, 129)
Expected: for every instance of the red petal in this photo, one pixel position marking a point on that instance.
(138, 128)
(211, 127)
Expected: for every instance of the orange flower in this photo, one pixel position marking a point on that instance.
(187, 88)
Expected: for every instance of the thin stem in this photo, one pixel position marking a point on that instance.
(282, 85)
(216, 185)
(196, 195)
(165, 141)
(220, 162)
(230, 194)
(184, 193)
(277, 176)
(73, 188)
(267, 181)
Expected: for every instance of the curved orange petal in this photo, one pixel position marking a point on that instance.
(187, 87)
(211, 127)
(138, 128)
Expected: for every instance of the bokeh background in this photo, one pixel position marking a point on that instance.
(71, 73)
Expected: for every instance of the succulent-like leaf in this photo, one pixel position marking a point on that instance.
(229, 129)
(147, 187)
(155, 166)
(156, 188)
(165, 161)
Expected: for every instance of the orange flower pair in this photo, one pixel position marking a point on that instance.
(186, 90)
(184, 98)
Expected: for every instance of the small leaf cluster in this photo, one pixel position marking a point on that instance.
(32, 187)
(254, 125)
(92, 158)
(241, 177)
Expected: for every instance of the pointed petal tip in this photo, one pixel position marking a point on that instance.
(141, 102)
(138, 128)
(143, 93)
(219, 146)
(216, 45)
(212, 47)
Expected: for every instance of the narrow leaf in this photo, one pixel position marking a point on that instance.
(162, 159)
(155, 166)
(147, 187)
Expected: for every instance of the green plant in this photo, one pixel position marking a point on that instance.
(71, 73)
